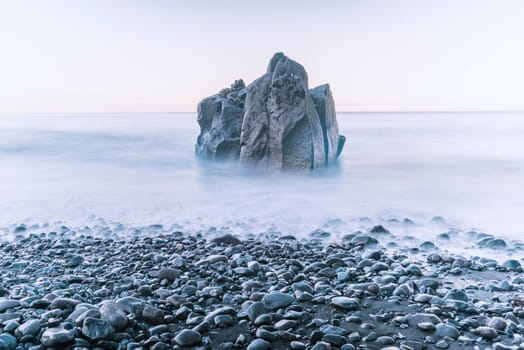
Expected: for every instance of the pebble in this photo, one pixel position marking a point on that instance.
(55, 337)
(188, 337)
(277, 300)
(8, 304)
(29, 328)
(486, 332)
(97, 329)
(259, 344)
(345, 303)
(168, 274)
(112, 313)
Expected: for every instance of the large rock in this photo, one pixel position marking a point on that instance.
(220, 120)
(274, 123)
(281, 127)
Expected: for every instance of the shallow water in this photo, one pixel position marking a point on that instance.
(140, 169)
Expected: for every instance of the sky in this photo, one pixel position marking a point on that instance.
(88, 56)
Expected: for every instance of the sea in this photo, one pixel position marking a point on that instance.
(140, 169)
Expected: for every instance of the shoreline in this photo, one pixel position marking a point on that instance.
(174, 290)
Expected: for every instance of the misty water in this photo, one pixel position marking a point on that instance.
(140, 169)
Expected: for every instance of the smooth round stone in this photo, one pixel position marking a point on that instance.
(168, 273)
(277, 300)
(486, 332)
(10, 326)
(334, 339)
(497, 244)
(266, 335)
(216, 258)
(112, 313)
(321, 346)
(8, 304)
(7, 341)
(202, 327)
(385, 340)
(347, 347)
(512, 265)
(160, 346)
(379, 266)
(259, 344)
(296, 345)
(223, 321)
(29, 328)
(497, 323)
(144, 291)
(354, 337)
(447, 330)
(457, 295)
(303, 286)
(64, 303)
(188, 337)
(285, 324)
(55, 337)
(329, 329)
(370, 337)
(263, 320)
(97, 329)
(153, 315)
(426, 326)
(256, 309)
(345, 303)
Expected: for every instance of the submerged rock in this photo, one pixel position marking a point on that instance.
(274, 123)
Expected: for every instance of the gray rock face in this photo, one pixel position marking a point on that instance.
(274, 123)
(220, 120)
(325, 106)
(281, 128)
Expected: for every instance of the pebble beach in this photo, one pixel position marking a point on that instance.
(93, 287)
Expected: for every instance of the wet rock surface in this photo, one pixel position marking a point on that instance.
(173, 290)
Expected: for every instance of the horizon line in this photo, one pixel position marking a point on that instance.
(354, 112)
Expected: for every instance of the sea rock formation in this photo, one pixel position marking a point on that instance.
(220, 120)
(274, 123)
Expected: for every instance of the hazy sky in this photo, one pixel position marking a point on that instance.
(159, 55)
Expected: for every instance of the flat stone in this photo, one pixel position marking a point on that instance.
(64, 303)
(447, 330)
(259, 344)
(153, 315)
(256, 309)
(277, 300)
(168, 274)
(8, 304)
(345, 303)
(54, 337)
(29, 328)
(7, 341)
(486, 332)
(188, 337)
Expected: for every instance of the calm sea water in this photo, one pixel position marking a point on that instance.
(140, 169)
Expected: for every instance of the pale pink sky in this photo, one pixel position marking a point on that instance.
(164, 56)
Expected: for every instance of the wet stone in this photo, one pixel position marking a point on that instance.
(97, 329)
(277, 300)
(54, 337)
(259, 344)
(188, 337)
(345, 303)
